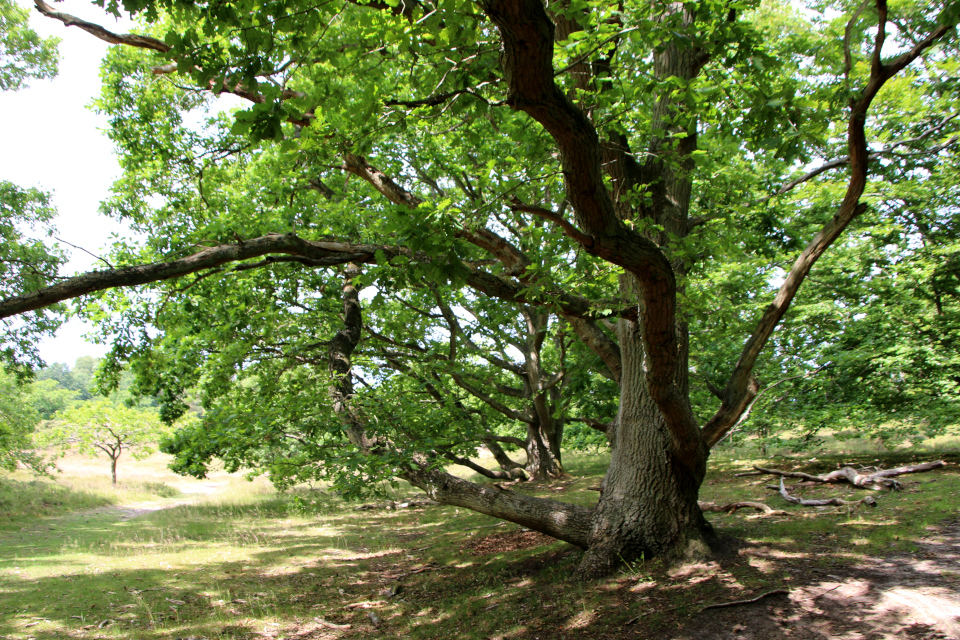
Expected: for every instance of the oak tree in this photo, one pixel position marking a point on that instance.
(592, 159)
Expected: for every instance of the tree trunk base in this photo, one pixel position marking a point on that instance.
(696, 543)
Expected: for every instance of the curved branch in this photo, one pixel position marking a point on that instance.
(567, 522)
(888, 150)
(735, 396)
(527, 34)
(502, 474)
(128, 39)
(319, 253)
(546, 214)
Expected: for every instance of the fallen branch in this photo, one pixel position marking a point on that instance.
(870, 501)
(331, 625)
(877, 480)
(735, 603)
(733, 506)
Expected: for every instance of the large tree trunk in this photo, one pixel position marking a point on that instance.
(648, 501)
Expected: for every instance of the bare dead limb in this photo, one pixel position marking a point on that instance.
(877, 480)
(733, 506)
(870, 501)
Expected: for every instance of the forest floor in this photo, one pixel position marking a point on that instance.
(225, 558)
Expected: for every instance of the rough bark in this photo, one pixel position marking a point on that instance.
(648, 502)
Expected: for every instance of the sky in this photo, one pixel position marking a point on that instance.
(52, 141)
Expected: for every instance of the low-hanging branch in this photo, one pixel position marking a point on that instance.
(882, 479)
(320, 253)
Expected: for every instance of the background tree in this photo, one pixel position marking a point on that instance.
(101, 426)
(23, 54)
(18, 419)
(49, 398)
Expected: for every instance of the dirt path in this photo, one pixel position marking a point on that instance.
(130, 511)
(914, 596)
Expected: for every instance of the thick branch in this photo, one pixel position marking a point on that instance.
(733, 506)
(499, 474)
(567, 522)
(828, 502)
(527, 33)
(737, 389)
(600, 343)
(490, 401)
(129, 39)
(320, 253)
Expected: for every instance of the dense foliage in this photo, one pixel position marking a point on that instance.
(439, 225)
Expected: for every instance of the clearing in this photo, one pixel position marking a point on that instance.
(174, 558)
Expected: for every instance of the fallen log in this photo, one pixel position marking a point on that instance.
(733, 506)
(876, 480)
(870, 501)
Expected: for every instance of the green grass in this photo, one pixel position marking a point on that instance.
(24, 501)
(246, 562)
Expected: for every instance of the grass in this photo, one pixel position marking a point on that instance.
(247, 562)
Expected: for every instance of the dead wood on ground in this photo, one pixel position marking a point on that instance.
(870, 501)
(733, 506)
(882, 479)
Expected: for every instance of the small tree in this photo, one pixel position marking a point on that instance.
(100, 426)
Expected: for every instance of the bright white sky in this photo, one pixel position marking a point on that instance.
(51, 140)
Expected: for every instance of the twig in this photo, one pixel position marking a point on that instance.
(709, 606)
(735, 603)
(826, 592)
(103, 260)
